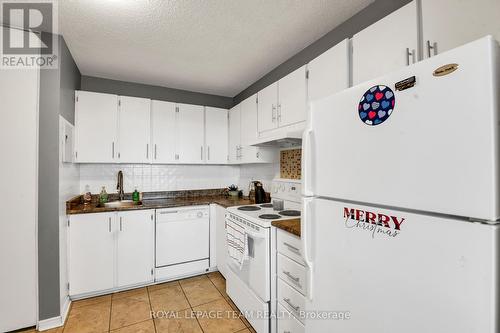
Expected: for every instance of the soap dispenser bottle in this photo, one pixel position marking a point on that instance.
(103, 196)
(135, 195)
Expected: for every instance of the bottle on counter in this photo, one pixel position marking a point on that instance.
(103, 196)
(136, 196)
(87, 196)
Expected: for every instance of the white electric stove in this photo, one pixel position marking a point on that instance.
(249, 285)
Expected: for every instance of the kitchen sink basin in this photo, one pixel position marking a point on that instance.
(118, 204)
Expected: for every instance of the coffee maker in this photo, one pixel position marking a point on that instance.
(258, 192)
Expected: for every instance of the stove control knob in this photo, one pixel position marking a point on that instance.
(199, 215)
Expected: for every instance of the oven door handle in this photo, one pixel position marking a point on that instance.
(254, 234)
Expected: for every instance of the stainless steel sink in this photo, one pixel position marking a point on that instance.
(118, 204)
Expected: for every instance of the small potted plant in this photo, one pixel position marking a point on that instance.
(233, 190)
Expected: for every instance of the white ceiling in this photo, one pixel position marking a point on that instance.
(211, 46)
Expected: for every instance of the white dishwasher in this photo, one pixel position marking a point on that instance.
(182, 244)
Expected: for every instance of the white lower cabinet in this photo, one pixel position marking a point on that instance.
(218, 213)
(110, 250)
(287, 323)
(291, 283)
(91, 253)
(135, 247)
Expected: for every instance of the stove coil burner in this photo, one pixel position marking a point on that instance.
(249, 208)
(290, 213)
(268, 205)
(269, 216)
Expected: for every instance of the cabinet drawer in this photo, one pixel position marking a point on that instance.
(290, 246)
(293, 273)
(291, 299)
(287, 322)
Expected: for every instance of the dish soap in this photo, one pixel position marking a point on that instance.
(103, 196)
(135, 195)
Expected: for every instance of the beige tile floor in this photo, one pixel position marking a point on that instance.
(184, 306)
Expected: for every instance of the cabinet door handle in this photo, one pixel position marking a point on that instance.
(147, 151)
(408, 55)
(155, 151)
(208, 153)
(279, 113)
(291, 277)
(109, 224)
(296, 308)
(113, 149)
(290, 247)
(431, 47)
(273, 113)
(201, 153)
(121, 228)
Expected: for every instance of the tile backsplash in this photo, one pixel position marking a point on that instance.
(290, 163)
(157, 177)
(150, 178)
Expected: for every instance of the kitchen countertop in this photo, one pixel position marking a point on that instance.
(292, 226)
(76, 205)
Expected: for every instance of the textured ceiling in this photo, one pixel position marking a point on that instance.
(211, 46)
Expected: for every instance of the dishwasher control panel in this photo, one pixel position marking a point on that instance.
(180, 213)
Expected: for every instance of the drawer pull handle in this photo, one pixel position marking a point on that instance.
(290, 247)
(291, 277)
(169, 212)
(295, 308)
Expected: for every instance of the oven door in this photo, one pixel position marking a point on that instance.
(255, 272)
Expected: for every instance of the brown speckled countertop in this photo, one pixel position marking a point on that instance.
(159, 200)
(292, 226)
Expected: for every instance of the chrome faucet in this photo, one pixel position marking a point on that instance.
(119, 186)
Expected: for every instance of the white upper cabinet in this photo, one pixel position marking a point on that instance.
(134, 130)
(135, 247)
(216, 135)
(386, 45)
(164, 132)
(267, 108)
(283, 103)
(190, 127)
(447, 24)
(234, 134)
(329, 72)
(292, 103)
(96, 119)
(241, 118)
(249, 132)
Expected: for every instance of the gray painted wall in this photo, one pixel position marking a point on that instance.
(70, 81)
(365, 18)
(90, 83)
(56, 97)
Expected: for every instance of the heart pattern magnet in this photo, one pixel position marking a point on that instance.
(376, 105)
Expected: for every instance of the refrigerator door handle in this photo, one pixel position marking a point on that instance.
(306, 157)
(305, 225)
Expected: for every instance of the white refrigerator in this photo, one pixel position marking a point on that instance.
(401, 200)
